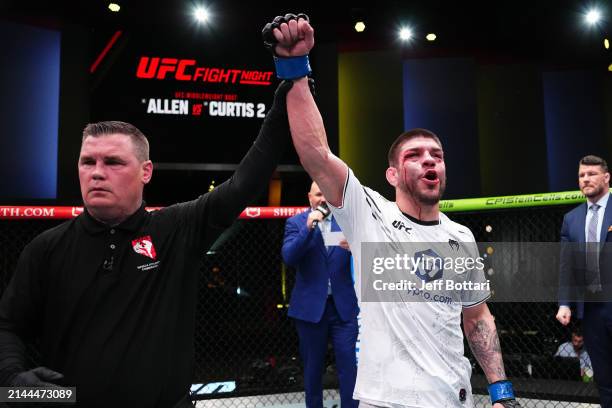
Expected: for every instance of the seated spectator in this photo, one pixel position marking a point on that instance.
(575, 348)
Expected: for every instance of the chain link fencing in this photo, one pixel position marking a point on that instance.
(247, 348)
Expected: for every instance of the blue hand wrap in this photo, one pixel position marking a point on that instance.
(292, 67)
(500, 391)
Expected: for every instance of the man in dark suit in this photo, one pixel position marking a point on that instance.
(323, 302)
(586, 269)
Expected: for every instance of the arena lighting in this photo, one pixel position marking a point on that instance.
(201, 14)
(431, 37)
(114, 7)
(360, 26)
(405, 33)
(593, 16)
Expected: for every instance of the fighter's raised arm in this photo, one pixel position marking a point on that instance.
(291, 37)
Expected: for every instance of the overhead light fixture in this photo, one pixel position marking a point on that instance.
(593, 16)
(114, 7)
(360, 26)
(606, 44)
(201, 14)
(610, 67)
(405, 33)
(431, 37)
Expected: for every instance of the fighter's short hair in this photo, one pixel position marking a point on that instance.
(408, 135)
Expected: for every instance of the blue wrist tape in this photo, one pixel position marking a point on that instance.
(292, 67)
(500, 391)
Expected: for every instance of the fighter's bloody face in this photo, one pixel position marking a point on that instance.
(111, 177)
(421, 170)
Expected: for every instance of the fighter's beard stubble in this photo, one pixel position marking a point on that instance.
(420, 199)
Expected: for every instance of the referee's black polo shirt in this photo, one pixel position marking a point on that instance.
(118, 304)
(114, 307)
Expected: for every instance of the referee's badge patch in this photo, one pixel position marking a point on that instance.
(144, 246)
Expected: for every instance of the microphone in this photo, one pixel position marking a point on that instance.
(323, 209)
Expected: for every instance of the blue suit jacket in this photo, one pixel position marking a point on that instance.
(572, 262)
(304, 250)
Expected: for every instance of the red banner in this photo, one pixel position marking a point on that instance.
(25, 212)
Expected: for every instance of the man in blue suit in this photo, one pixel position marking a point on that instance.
(585, 278)
(323, 302)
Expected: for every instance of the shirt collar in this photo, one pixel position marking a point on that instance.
(421, 222)
(602, 202)
(131, 224)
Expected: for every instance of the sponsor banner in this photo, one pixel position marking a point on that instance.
(23, 212)
(516, 201)
(465, 274)
(466, 204)
(271, 212)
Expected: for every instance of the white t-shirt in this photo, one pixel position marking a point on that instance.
(410, 352)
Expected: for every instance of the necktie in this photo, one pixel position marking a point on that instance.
(328, 230)
(592, 254)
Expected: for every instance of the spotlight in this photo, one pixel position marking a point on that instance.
(593, 17)
(431, 37)
(114, 7)
(201, 14)
(606, 44)
(405, 34)
(488, 228)
(359, 26)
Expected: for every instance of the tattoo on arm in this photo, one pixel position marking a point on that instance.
(484, 342)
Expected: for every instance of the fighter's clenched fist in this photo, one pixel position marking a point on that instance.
(290, 38)
(289, 35)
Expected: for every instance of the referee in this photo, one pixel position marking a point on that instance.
(110, 296)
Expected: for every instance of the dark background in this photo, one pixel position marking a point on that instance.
(518, 91)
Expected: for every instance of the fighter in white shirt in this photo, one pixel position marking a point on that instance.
(411, 351)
